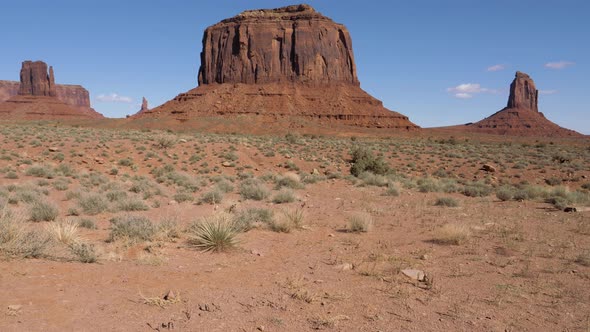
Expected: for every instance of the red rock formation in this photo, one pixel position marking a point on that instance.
(38, 97)
(521, 116)
(289, 62)
(144, 105)
(35, 81)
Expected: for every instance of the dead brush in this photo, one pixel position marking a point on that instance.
(296, 290)
(169, 298)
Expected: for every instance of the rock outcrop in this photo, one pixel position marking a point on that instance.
(290, 62)
(37, 96)
(35, 80)
(521, 116)
(144, 105)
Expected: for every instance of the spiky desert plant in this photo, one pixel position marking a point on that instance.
(214, 234)
(65, 232)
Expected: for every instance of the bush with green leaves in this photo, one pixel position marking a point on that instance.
(214, 196)
(363, 160)
(245, 219)
(93, 204)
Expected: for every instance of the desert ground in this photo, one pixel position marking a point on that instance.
(141, 230)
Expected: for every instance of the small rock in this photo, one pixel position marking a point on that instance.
(488, 168)
(424, 257)
(417, 275)
(226, 164)
(330, 235)
(172, 202)
(260, 328)
(169, 296)
(15, 307)
(182, 140)
(344, 267)
(315, 172)
(255, 252)
(53, 149)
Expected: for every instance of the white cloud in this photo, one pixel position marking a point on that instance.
(468, 90)
(559, 64)
(548, 92)
(463, 95)
(114, 98)
(497, 67)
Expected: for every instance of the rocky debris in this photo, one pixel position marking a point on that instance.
(576, 209)
(414, 274)
(169, 296)
(521, 116)
(488, 168)
(36, 81)
(226, 164)
(344, 267)
(53, 149)
(279, 64)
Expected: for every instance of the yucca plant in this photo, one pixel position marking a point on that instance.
(65, 232)
(214, 234)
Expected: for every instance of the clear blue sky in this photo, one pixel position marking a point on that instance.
(430, 60)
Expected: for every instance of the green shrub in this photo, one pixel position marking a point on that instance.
(84, 252)
(132, 204)
(505, 193)
(284, 196)
(87, 223)
(93, 204)
(132, 229)
(182, 196)
(370, 179)
(446, 201)
(245, 219)
(363, 160)
(40, 171)
(212, 197)
(252, 189)
(43, 211)
(477, 189)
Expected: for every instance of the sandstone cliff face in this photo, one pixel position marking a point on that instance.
(8, 89)
(523, 93)
(74, 95)
(290, 64)
(521, 117)
(35, 80)
(290, 44)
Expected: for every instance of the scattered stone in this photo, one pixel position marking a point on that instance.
(226, 164)
(53, 149)
(169, 296)
(15, 307)
(315, 172)
(344, 267)
(414, 274)
(488, 168)
(256, 253)
(260, 328)
(182, 140)
(173, 202)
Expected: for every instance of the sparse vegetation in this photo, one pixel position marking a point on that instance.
(360, 223)
(215, 233)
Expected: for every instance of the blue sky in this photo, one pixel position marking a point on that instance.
(438, 62)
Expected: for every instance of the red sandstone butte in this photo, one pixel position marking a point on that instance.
(284, 63)
(521, 116)
(37, 96)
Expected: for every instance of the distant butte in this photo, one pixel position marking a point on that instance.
(289, 63)
(521, 116)
(37, 96)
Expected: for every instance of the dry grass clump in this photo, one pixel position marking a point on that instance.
(361, 222)
(291, 219)
(93, 204)
(453, 234)
(284, 195)
(216, 233)
(132, 229)
(16, 240)
(446, 201)
(583, 258)
(43, 211)
(289, 180)
(65, 232)
(253, 189)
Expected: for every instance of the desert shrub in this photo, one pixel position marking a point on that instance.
(40, 171)
(392, 190)
(16, 240)
(132, 204)
(477, 189)
(289, 180)
(116, 195)
(224, 186)
(212, 197)
(244, 220)
(426, 185)
(132, 229)
(295, 217)
(167, 230)
(182, 196)
(65, 232)
(553, 181)
(43, 211)
(93, 204)
(125, 162)
(284, 196)
(505, 193)
(11, 175)
(370, 179)
(586, 186)
(87, 223)
(583, 258)
(360, 223)
(215, 233)
(61, 184)
(363, 160)
(446, 201)
(84, 252)
(454, 234)
(165, 141)
(65, 170)
(253, 189)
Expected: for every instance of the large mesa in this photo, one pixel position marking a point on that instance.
(37, 96)
(284, 63)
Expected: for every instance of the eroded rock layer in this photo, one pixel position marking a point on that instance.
(285, 62)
